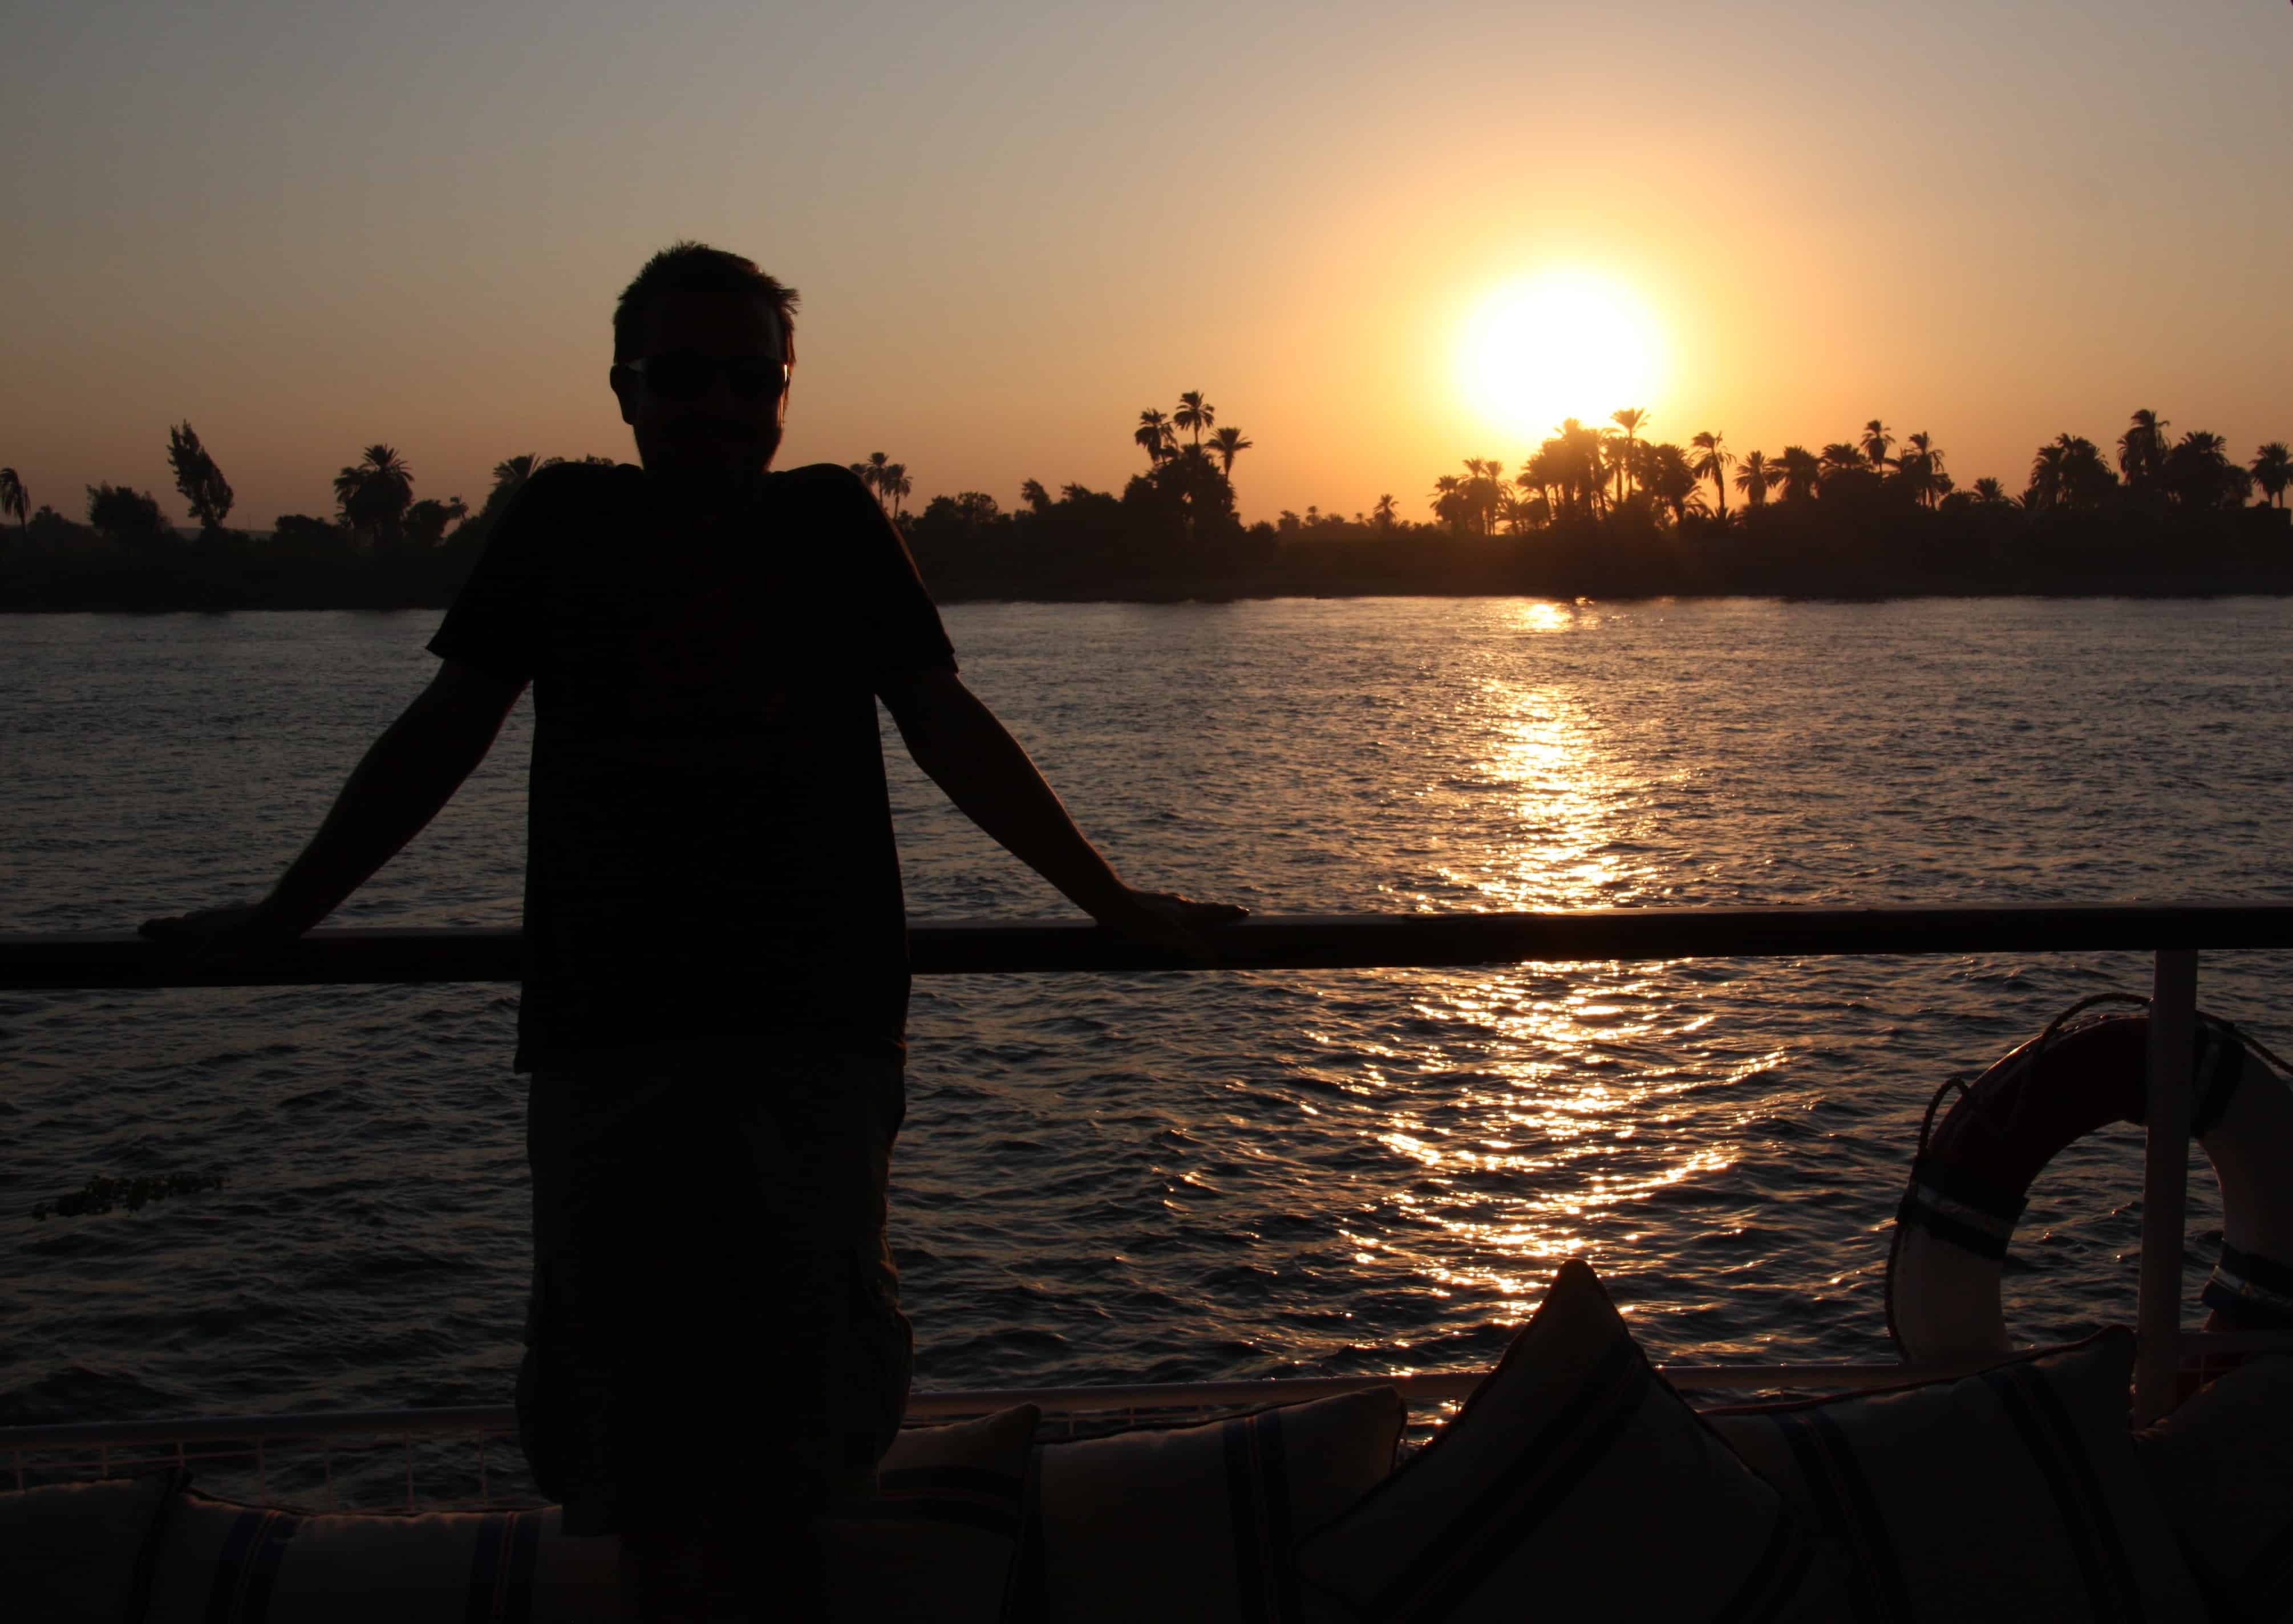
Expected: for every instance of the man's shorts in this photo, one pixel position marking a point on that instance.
(715, 1331)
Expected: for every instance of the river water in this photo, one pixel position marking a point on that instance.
(1181, 1177)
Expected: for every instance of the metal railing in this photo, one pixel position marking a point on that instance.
(2174, 934)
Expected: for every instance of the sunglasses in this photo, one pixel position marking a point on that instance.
(686, 374)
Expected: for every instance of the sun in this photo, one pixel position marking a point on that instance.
(1561, 343)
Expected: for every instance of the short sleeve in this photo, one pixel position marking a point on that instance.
(493, 622)
(894, 621)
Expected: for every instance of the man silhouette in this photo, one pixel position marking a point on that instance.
(716, 976)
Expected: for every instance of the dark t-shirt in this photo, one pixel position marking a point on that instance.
(709, 844)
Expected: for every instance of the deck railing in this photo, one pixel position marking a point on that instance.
(2175, 934)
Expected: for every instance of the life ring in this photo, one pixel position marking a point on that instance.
(1970, 1179)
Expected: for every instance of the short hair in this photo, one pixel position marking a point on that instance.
(695, 268)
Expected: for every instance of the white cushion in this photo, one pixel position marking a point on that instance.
(2014, 1494)
(1198, 1522)
(2222, 1466)
(1574, 1483)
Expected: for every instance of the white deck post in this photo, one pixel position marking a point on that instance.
(2165, 1183)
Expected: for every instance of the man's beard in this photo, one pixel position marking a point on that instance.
(710, 465)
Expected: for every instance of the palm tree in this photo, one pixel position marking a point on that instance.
(1194, 413)
(14, 502)
(2142, 448)
(1712, 463)
(2069, 472)
(513, 471)
(1921, 469)
(1382, 514)
(1629, 420)
(1451, 506)
(1757, 476)
(1802, 472)
(873, 478)
(1483, 490)
(1874, 442)
(2272, 466)
(892, 479)
(376, 491)
(1154, 435)
(1841, 456)
(1990, 493)
(2198, 473)
(1228, 444)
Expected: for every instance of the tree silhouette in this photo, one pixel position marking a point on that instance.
(1038, 499)
(1664, 472)
(1756, 477)
(375, 493)
(1802, 472)
(14, 501)
(1451, 506)
(1381, 514)
(1154, 435)
(871, 475)
(2197, 473)
(130, 518)
(892, 479)
(2142, 449)
(1194, 413)
(2069, 472)
(1629, 419)
(1990, 493)
(1711, 463)
(1874, 442)
(202, 483)
(1227, 444)
(2271, 467)
(1920, 468)
(426, 520)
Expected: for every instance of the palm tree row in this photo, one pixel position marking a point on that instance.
(1582, 474)
(1158, 434)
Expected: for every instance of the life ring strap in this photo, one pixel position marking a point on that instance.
(2256, 1293)
(1954, 1204)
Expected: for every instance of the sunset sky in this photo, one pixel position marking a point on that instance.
(1015, 224)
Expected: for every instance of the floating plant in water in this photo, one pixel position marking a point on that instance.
(102, 1194)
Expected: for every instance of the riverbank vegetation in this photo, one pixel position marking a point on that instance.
(1606, 511)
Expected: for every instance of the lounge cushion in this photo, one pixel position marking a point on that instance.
(1197, 1522)
(2222, 1466)
(938, 1540)
(76, 1553)
(2013, 1494)
(221, 1564)
(1573, 1484)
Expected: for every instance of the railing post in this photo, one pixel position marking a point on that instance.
(2165, 1183)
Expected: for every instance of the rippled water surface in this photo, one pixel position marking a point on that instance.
(1185, 1176)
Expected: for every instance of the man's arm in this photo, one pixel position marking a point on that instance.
(959, 743)
(408, 773)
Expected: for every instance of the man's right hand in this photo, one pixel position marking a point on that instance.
(220, 932)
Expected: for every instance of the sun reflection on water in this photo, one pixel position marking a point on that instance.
(1556, 1121)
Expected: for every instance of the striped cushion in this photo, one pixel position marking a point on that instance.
(2223, 1466)
(1574, 1483)
(224, 1563)
(1197, 1523)
(2013, 1494)
(938, 1540)
(76, 1553)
